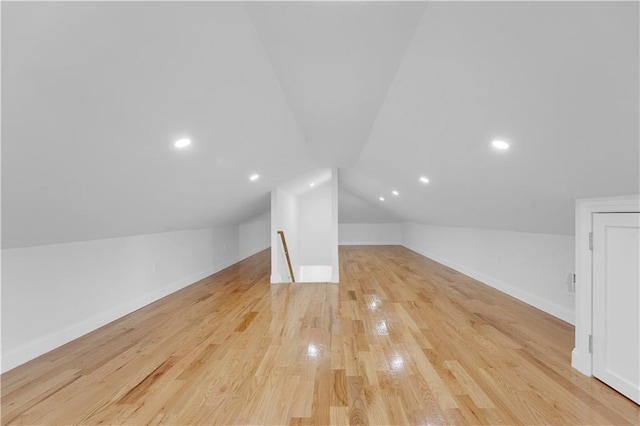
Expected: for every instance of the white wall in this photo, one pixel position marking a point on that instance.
(284, 217)
(306, 209)
(53, 294)
(356, 234)
(335, 214)
(254, 236)
(530, 267)
(315, 226)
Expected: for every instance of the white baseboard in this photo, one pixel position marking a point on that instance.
(370, 243)
(526, 297)
(252, 251)
(33, 349)
(275, 279)
(581, 362)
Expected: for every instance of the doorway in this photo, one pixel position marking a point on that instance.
(616, 301)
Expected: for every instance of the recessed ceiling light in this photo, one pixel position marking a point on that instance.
(254, 177)
(182, 143)
(395, 192)
(381, 198)
(424, 179)
(312, 184)
(502, 145)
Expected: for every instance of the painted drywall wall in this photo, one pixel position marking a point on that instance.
(315, 226)
(528, 266)
(254, 236)
(335, 253)
(306, 209)
(53, 294)
(356, 234)
(284, 217)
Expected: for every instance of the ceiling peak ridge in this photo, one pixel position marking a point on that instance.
(393, 80)
(273, 68)
(335, 63)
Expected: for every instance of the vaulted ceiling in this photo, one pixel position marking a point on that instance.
(94, 95)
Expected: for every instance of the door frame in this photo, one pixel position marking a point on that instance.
(581, 357)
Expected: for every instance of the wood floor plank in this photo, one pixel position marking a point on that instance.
(401, 340)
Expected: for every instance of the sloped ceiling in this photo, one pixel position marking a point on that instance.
(335, 62)
(94, 94)
(354, 209)
(558, 80)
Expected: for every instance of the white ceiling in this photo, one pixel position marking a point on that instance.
(354, 209)
(557, 80)
(335, 62)
(306, 182)
(95, 93)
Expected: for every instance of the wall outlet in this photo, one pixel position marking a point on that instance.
(154, 266)
(571, 282)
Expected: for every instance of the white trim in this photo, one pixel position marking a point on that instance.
(33, 349)
(581, 359)
(524, 296)
(275, 279)
(252, 252)
(275, 272)
(371, 243)
(335, 241)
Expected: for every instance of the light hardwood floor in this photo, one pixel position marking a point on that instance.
(401, 340)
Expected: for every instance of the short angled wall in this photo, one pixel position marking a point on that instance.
(359, 234)
(530, 267)
(254, 236)
(56, 293)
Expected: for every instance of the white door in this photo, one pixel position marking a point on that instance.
(616, 301)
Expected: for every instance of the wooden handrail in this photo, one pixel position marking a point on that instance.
(286, 253)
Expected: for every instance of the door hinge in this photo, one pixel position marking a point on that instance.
(591, 241)
(590, 344)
